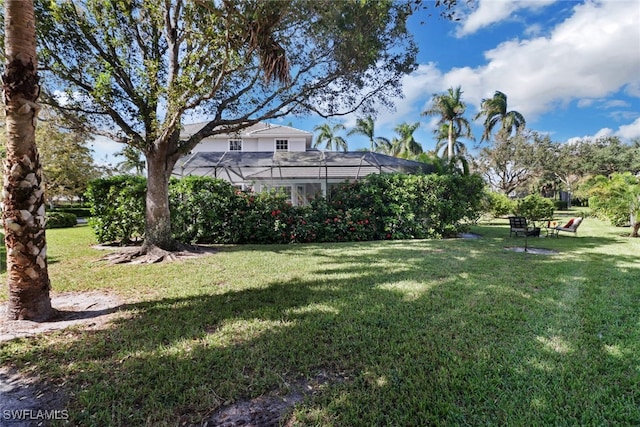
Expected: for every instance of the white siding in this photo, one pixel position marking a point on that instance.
(297, 145)
(208, 145)
(250, 145)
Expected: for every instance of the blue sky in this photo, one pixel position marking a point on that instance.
(572, 68)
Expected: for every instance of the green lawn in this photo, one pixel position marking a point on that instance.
(428, 332)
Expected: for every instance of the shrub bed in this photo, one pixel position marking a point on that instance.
(60, 220)
(207, 210)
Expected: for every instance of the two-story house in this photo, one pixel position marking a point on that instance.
(268, 156)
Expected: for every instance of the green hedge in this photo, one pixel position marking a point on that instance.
(206, 210)
(79, 212)
(117, 208)
(534, 207)
(60, 220)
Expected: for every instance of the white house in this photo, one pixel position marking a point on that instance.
(268, 156)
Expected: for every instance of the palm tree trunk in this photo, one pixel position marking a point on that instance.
(23, 189)
(450, 145)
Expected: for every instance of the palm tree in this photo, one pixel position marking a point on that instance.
(366, 127)
(495, 110)
(328, 136)
(23, 188)
(450, 108)
(443, 166)
(442, 141)
(132, 160)
(406, 145)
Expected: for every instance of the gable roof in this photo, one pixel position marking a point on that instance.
(257, 130)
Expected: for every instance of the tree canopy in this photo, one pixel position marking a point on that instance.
(495, 111)
(450, 107)
(137, 70)
(617, 198)
(510, 164)
(328, 135)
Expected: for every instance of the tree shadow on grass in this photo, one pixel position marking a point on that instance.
(406, 333)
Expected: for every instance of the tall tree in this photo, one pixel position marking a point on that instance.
(132, 160)
(405, 144)
(328, 135)
(24, 206)
(366, 127)
(607, 155)
(138, 69)
(510, 164)
(442, 141)
(450, 108)
(561, 162)
(495, 111)
(67, 160)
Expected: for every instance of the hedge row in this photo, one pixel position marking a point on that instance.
(60, 220)
(207, 210)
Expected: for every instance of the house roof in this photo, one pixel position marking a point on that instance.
(242, 166)
(260, 129)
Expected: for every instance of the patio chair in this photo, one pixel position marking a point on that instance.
(569, 227)
(518, 225)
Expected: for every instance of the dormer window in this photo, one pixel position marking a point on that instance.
(235, 145)
(282, 145)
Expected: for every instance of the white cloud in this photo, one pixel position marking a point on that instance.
(585, 102)
(614, 103)
(533, 30)
(104, 150)
(633, 89)
(625, 132)
(586, 56)
(629, 131)
(492, 11)
(584, 59)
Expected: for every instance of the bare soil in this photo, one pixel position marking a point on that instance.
(29, 401)
(91, 310)
(138, 255)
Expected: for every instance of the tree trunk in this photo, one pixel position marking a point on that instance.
(157, 215)
(450, 142)
(23, 189)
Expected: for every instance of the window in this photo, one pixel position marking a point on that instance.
(282, 145)
(235, 145)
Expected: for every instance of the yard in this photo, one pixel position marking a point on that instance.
(426, 332)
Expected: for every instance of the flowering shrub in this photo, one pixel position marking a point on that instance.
(392, 206)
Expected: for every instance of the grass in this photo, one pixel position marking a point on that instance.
(428, 332)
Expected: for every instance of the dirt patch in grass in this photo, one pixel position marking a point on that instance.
(535, 251)
(273, 409)
(91, 310)
(153, 255)
(29, 401)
